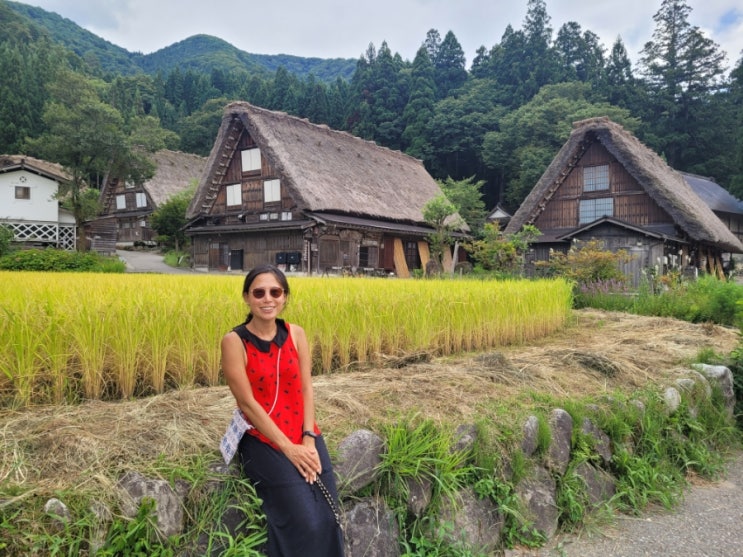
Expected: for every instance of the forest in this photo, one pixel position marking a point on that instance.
(498, 121)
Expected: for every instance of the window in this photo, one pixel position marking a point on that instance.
(271, 191)
(121, 202)
(234, 194)
(22, 192)
(251, 159)
(411, 255)
(129, 184)
(141, 199)
(368, 256)
(596, 178)
(263, 216)
(286, 215)
(592, 209)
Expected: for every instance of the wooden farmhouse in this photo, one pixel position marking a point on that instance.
(29, 204)
(604, 184)
(126, 207)
(279, 189)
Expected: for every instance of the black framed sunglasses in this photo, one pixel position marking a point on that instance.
(259, 293)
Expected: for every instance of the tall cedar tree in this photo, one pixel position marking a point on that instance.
(580, 54)
(683, 69)
(449, 66)
(418, 112)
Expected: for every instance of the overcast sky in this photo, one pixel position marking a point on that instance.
(345, 28)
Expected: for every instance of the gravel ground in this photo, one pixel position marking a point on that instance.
(707, 523)
(148, 262)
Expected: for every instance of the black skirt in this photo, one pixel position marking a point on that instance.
(300, 520)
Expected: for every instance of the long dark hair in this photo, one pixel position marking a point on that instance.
(262, 269)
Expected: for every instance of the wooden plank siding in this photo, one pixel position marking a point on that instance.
(256, 249)
(631, 203)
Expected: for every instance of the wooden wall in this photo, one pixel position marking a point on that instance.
(631, 203)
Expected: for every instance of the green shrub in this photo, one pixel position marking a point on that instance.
(54, 260)
(6, 238)
(587, 263)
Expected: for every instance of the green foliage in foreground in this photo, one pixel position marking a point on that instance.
(54, 260)
(25, 529)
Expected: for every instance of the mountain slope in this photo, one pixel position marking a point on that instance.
(92, 48)
(201, 53)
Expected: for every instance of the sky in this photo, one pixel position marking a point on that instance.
(345, 28)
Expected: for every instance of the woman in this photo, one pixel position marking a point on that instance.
(266, 363)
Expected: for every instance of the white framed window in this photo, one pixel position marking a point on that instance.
(121, 202)
(271, 191)
(286, 215)
(263, 216)
(596, 178)
(141, 199)
(273, 216)
(251, 159)
(234, 194)
(592, 209)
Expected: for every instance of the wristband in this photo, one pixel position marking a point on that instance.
(309, 434)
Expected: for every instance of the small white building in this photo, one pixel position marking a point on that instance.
(29, 204)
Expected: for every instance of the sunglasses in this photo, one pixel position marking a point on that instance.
(259, 293)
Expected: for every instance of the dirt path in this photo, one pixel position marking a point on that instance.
(148, 262)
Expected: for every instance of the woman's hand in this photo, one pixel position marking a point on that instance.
(305, 459)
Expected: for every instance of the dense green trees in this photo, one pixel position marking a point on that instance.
(499, 123)
(87, 136)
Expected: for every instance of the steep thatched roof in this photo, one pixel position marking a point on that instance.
(174, 173)
(325, 170)
(665, 186)
(51, 170)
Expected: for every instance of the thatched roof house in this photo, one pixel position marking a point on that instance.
(280, 189)
(125, 207)
(605, 184)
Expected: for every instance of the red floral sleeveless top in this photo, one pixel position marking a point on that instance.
(274, 365)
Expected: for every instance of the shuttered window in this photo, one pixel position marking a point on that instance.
(271, 191)
(234, 194)
(251, 160)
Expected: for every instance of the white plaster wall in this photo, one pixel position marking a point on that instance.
(42, 206)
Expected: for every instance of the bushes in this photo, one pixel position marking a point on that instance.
(59, 260)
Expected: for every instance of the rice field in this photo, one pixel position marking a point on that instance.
(66, 337)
